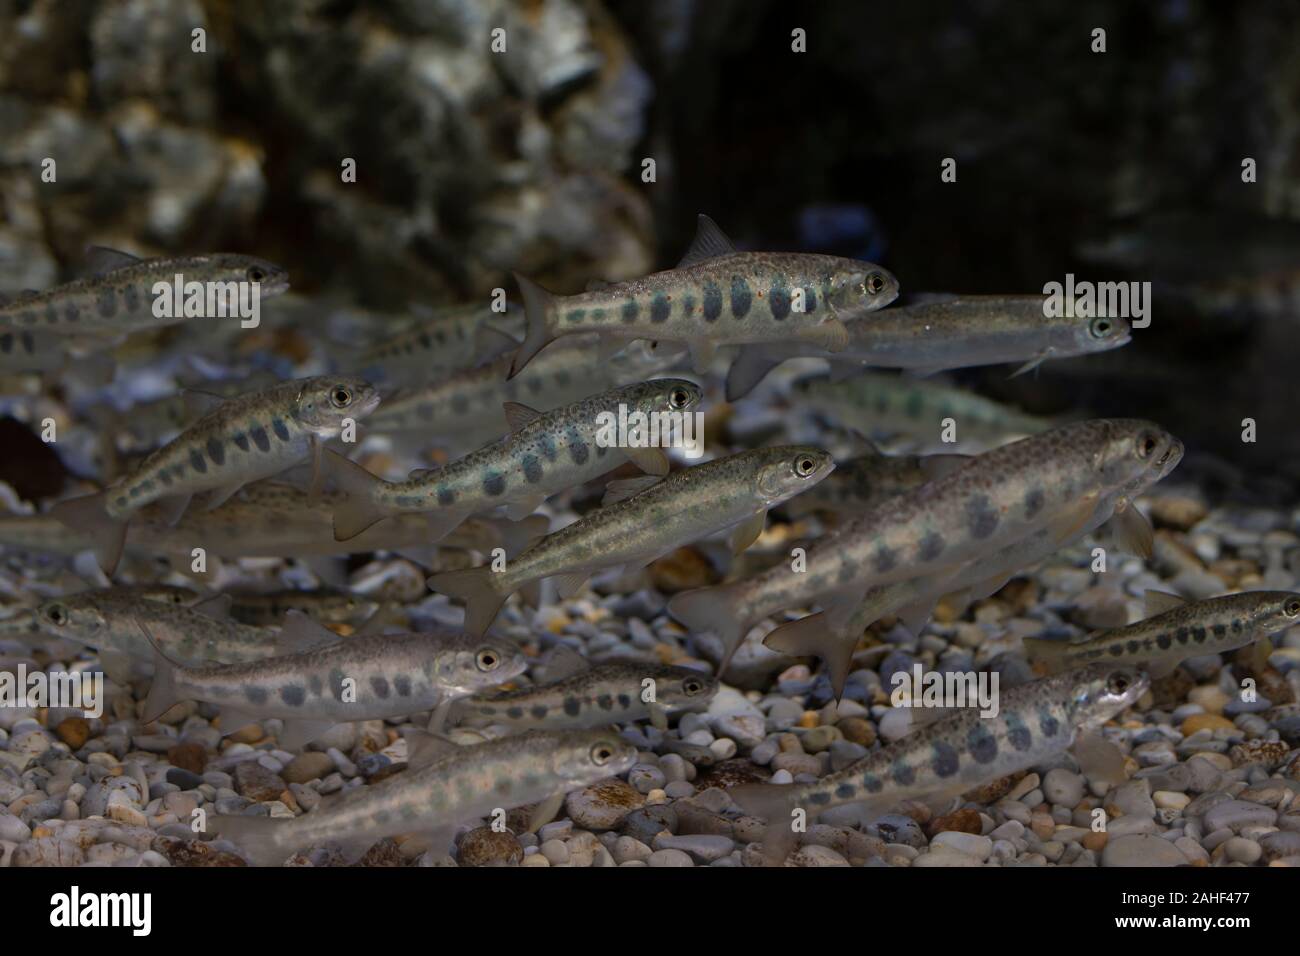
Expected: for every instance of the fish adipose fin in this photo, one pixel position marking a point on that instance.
(474, 587)
(538, 304)
(87, 515)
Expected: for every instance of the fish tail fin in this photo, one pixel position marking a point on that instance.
(163, 695)
(750, 367)
(88, 515)
(537, 316)
(709, 609)
(357, 511)
(475, 587)
(811, 636)
(260, 839)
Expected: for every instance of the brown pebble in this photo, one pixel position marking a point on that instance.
(384, 853)
(684, 569)
(1178, 512)
(484, 846)
(74, 731)
(188, 756)
(1095, 841)
(996, 790)
(965, 820)
(1043, 825)
(194, 853)
(250, 734)
(857, 730)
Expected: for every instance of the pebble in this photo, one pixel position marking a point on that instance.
(1141, 850)
(1235, 814)
(484, 846)
(602, 805)
(1063, 787)
(669, 857)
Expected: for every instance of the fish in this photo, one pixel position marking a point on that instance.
(544, 453)
(859, 483)
(654, 519)
(444, 341)
(914, 407)
(714, 296)
(936, 332)
(1055, 480)
(594, 696)
(108, 620)
(456, 785)
(241, 440)
(118, 296)
(268, 608)
(368, 677)
(959, 751)
(833, 637)
(1175, 630)
(463, 410)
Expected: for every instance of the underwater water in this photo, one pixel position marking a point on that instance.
(671, 435)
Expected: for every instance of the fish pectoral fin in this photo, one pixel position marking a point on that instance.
(1029, 366)
(423, 748)
(300, 633)
(545, 812)
(216, 607)
(117, 666)
(101, 260)
(1259, 654)
(625, 488)
(219, 496)
(521, 508)
(917, 614)
(564, 662)
(235, 718)
(1098, 758)
(1067, 525)
(653, 461)
(519, 415)
(173, 508)
(658, 716)
(832, 335)
(748, 531)
(1158, 602)
(702, 353)
(296, 734)
(1159, 669)
(749, 368)
(317, 471)
(710, 242)
(1132, 532)
(567, 585)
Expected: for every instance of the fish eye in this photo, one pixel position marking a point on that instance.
(601, 754)
(256, 274)
(1146, 444)
(1118, 684)
(57, 615)
(679, 398)
(487, 660)
(341, 396)
(1292, 608)
(804, 466)
(1101, 327)
(875, 283)
(692, 686)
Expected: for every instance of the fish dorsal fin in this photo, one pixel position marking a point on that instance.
(564, 662)
(300, 633)
(518, 415)
(423, 748)
(709, 243)
(199, 403)
(101, 260)
(625, 488)
(216, 607)
(866, 447)
(1157, 602)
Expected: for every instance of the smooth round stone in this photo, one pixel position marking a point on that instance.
(1189, 848)
(555, 851)
(969, 843)
(897, 828)
(602, 805)
(946, 857)
(628, 848)
(311, 765)
(815, 855)
(1133, 799)
(679, 788)
(646, 778)
(723, 748)
(1241, 850)
(12, 829)
(1235, 814)
(764, 752)
(702, 846)
(674, 767)
(1141, 850)
(1283, 843)
(895, 724)
(1062, 787)
(669, 857)
(820, 738)
(1007, 831)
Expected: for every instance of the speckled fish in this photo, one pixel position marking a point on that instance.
(29, 621)
(859, 483)
(833, 636)
(458, 785)
(241, 440)
(269, 608)
(1055, 480)
(1176, 630)
(961, 750)
(108, 620)
(545, 453)
(898, 404)
(463, 410)
(119, 298)
(368, 677)
(632, 531)
(932, 333)
(594, 696)
(715, 296)
(442, 342)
